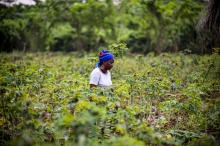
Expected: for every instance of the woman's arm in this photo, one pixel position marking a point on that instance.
(94, 78)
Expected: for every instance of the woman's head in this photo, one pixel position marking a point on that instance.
(106, 59)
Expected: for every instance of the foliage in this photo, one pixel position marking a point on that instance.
(76, 25)
(118, 50)
(171, 99)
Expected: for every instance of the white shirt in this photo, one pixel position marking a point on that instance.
(97, 77)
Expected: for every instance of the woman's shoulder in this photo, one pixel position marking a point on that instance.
(96, 71)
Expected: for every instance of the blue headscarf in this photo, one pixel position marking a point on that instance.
(104, 55)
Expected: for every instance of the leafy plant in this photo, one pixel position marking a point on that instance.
(156, 100)
(118, 50)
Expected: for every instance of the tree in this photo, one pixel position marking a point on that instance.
(76, 25)
(24, 28)
(160, 26)
(92, 21)
(209, 25)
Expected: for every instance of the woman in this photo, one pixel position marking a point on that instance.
(101, 76)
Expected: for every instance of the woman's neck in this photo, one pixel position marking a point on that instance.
(103, 69)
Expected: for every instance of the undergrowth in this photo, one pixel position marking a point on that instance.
(170, 99)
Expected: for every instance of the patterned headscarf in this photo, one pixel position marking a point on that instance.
(104, 55)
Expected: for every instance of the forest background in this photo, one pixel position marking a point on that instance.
(87, 26)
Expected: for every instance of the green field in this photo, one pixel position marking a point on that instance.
(170, 99)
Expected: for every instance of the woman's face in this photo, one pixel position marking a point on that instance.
(109, 64)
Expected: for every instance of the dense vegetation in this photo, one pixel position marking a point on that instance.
(73, 25)
(158, 98)
(171, 99)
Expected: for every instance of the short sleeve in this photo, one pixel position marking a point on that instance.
(94, 77)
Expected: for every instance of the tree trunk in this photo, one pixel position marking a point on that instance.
(209, 25)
